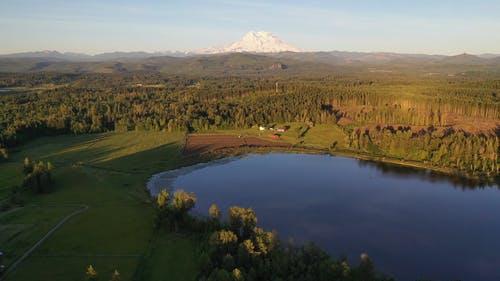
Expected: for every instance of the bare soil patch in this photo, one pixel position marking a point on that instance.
(199, 144)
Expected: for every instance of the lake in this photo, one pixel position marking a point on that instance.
(413, 223)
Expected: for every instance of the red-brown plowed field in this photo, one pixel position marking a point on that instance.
(197, 144)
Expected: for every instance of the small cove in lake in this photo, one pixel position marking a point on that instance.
(413, 223)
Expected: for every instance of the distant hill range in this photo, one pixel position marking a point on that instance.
(80, 57)
(255, 52)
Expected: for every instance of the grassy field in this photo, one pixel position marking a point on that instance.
(172, 257)
(320, 136)
(106, 172)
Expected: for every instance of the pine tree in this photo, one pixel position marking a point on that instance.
(91, 273)
(115, 276)
(4, 153)
(214, 212)
(162, 198)
(28, 167)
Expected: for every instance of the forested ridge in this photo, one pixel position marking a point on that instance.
(445, 122)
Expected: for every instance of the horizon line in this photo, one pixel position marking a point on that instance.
(194, 52)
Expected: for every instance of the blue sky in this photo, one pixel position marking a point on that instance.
(433, 27)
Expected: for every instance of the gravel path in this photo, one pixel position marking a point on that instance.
(82, 209)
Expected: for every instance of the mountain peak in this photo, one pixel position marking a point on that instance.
(258, 34)
(254, 42)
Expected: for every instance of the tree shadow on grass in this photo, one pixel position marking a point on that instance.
(108, 151)
(102, 168)
(150, 161)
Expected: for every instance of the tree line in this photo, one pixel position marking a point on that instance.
(476, 154)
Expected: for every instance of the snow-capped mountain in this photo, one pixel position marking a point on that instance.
(253, 42)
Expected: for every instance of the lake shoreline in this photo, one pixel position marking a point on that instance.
(223, 156)
(213, 151)
(232, 151)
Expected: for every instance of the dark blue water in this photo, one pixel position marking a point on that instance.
(414, 225)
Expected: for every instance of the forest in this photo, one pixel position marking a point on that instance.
(445, 122)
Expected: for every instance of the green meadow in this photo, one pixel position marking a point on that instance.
(106, 172)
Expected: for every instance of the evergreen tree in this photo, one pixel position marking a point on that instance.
(91, 273)
(115, 276)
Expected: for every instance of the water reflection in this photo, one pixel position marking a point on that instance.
(405, 172)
